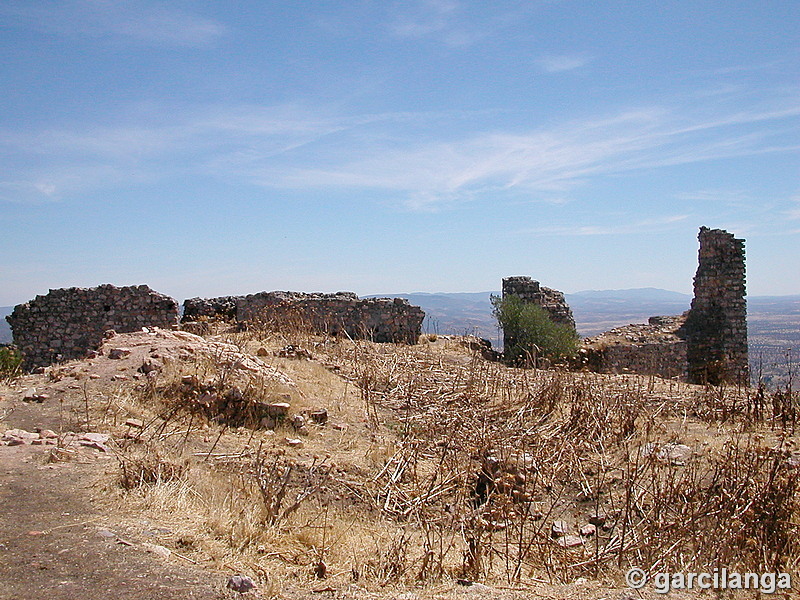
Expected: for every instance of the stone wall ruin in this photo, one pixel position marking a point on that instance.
(343, 313)
(65, 323)
(705, 345)
(655, 348)
(716, 328)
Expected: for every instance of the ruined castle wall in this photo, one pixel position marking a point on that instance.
(66, 323)
(708, 344)
(378, 319)
(716, 330)
(222, 308)
(549, 299)
(663, 360)
(651, 349)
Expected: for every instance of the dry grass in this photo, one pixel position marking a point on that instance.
(448, 466)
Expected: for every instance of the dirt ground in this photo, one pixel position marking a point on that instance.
(54, 543)
(65, 533)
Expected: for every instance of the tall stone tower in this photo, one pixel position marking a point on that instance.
(716, 327)
(549, 299)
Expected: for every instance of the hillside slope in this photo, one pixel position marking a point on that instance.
(393, 472)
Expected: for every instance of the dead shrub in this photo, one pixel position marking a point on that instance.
(148, 466)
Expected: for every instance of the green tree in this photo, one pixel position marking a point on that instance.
(530, 333)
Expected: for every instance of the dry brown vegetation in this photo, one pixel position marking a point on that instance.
(435, 465)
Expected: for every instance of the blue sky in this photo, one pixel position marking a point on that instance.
(210, 148)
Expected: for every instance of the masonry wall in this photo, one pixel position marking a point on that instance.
(654, 348)
(549, 299)
(223, 308)
(708, 344)
(378, 319)
(65, 323)
(716, 330)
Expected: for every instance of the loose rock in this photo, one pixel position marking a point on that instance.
(240, 583)
(161, 551)
(559, 528)
(38, 398)
(570, 541)
(320, 416)
(278, 410)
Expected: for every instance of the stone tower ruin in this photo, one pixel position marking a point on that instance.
(549, 299)
(716, 326)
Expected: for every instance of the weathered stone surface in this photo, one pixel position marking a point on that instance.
(674, 454)
(597, 519)
(559, 528)
(278, 410)
(149, 365)
(655, 348)
(18, 437)
(319, 416)
(707, 344)
(222, 308)
(570, 541)
(240, 583)
(119, 353)
(549, 299)
(38, 398)
(716, 329)
(67, 323)
(157, 549)
(292, 351)
(343, 313)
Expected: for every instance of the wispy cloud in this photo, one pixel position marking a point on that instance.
(713, 195)
(305, 148)
(424, 18)
(644, 226)
(26, 191)
(553, 63)
(545, 161)
(142, 20)
(450, 23)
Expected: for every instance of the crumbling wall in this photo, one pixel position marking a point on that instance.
(549, 299)
(65, 323)
(655, 348)
(716, 329)
(224, 308)
(378, 319)
(708, 344)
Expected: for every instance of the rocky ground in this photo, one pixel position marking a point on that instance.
(70, 531)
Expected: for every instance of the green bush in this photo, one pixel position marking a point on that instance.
(530, 333)
(10, 362)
